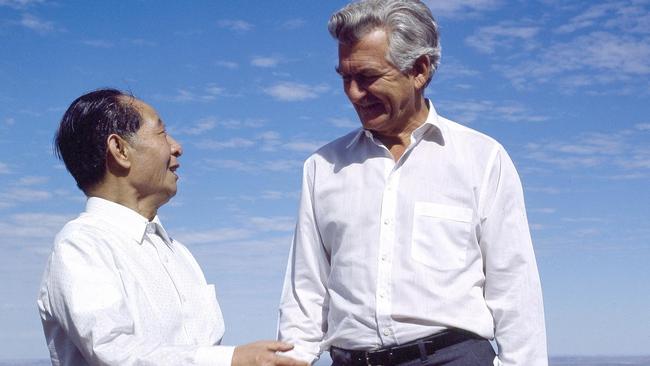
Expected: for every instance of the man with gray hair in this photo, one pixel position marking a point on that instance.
(412, 244)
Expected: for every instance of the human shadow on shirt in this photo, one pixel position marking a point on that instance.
(363, 148)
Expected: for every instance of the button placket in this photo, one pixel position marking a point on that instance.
(386, 245)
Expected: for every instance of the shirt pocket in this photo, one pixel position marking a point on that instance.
(440, 235)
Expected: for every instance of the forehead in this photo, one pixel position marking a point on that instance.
(369, 51)
(149, 116)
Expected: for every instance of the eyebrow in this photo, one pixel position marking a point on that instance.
(361, 70)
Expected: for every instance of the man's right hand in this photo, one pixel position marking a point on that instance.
(263, 353)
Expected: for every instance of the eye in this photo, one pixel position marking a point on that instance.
(368, 78)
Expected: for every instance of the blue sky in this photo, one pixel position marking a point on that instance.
(249, 89)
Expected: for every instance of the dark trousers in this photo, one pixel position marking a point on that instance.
(471, 352)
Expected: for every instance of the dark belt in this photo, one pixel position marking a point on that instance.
(394, 355)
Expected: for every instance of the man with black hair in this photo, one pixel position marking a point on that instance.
(117, 289)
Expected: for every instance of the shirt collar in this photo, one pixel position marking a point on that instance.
(432, 120)
(129, 222)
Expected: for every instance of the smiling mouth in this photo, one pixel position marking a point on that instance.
(173, 169)
(369, 108)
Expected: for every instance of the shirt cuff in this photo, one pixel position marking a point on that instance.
(300, 355)
(215, 355)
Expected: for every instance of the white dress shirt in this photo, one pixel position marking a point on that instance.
(118, 291)
(387, 252)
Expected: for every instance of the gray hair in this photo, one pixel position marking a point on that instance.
(410, 27)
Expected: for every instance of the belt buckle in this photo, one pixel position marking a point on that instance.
(369, 362)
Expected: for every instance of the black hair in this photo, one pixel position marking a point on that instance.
(81, 138)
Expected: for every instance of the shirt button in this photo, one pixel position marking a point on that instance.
(386, 221)
(386, 331)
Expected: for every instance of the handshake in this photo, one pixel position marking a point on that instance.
(263, 353)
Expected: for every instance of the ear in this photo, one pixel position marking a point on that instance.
(421, 71)
(118, 152)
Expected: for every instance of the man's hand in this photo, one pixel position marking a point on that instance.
(262, 353)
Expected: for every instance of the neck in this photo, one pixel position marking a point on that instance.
(399, 140)
(125, 197)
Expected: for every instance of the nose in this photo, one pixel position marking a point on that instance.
(175, 146)
(354, 90)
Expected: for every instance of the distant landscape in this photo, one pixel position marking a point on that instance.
(554, 361)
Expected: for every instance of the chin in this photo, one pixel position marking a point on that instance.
(374, 123)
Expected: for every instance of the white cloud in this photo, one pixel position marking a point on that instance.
(343, 122)
(270, 140)
(587, 18)
(20, 4)
(189, 32)
(294, 24)
(623, 154)
(201, 126)
(246, 123)
(497, 37)
(627, 16)
(32, 180)
(471, 111)
(599, 58)
(453, 69)
(233, 143)
(191, 237)
(281, 165)
(227, 64)
(25, 195)
(4, 168)
(142, 42)
(587, 64)
(643, 126)
(292, 92)
(583, 219)
(209, 123)
(213, 89)
(265, 61)
(304, 146)
(546, 190)
(9, 121)
(208, 93)
(544, 210)
(460, 8)
(36, 24)
(586, 232)
(278, 223)
(249, 229)
(33, 225)
(98, 43)
(606, 51)
(536, 227)
(278, 195)
(235, 25)
(269, 135)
